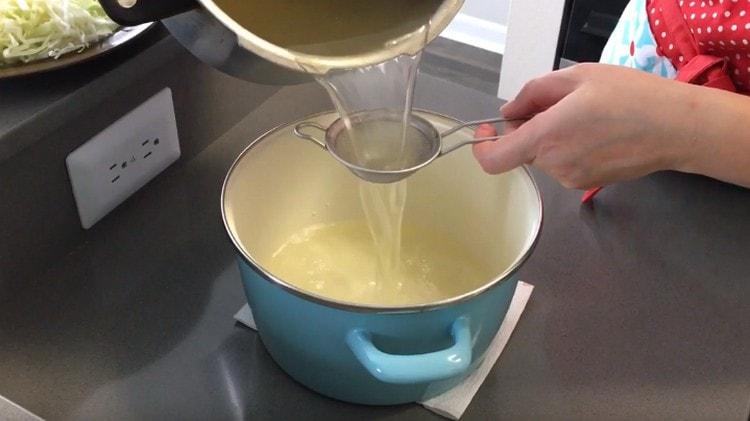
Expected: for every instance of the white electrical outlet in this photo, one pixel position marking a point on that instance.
(122, 158)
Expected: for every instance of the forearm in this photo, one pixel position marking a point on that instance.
(717, 142)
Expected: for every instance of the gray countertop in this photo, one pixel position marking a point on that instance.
(641, 308)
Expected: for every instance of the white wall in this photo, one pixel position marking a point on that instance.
(532, 34)
(491, 10)
(481, 23)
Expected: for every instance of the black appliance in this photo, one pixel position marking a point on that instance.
(585, 29)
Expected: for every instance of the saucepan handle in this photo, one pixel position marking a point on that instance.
(299, 131)
(418, 368)
(448, 149)
(136, 12)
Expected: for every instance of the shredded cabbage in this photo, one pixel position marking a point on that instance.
(37, 29)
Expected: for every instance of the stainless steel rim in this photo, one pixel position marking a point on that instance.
(315, 64)
(361, 308)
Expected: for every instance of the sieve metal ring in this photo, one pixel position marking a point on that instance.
(430, 133)
(299, 132)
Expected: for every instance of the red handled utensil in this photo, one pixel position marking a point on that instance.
(590, 193)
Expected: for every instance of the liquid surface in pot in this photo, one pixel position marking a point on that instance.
(330, 27)
(339, 261)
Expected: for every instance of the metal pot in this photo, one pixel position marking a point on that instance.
(218, 40)
(375, 354)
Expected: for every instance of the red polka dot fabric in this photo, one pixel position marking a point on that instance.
(719, 28)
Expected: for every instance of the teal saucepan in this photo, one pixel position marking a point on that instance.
(374, 354)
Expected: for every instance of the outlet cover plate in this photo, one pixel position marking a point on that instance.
(122, 158)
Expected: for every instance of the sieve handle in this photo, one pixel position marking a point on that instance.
(454, 129)
(298, 131)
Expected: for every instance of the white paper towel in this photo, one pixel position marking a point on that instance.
(11, 411)
(453, 403)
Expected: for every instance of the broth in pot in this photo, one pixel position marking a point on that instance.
(297, 214)
(330, 27)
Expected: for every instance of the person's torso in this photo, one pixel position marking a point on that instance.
(696, 41)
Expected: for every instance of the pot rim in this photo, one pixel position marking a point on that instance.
(367, 308)
(320, 64)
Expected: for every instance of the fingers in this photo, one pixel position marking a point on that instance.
(508, 152)
(485, 130)
(540, 93)
(483, 150)
(518, 144)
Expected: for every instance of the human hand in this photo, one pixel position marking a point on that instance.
(594, 124)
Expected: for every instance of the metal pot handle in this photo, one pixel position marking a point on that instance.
(136, 12)
(419, 368)
(449, 149)
(298, 131)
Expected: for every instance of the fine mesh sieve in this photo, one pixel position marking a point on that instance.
(374, 147)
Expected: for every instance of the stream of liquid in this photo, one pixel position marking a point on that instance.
(386, 86)
(338, 260)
